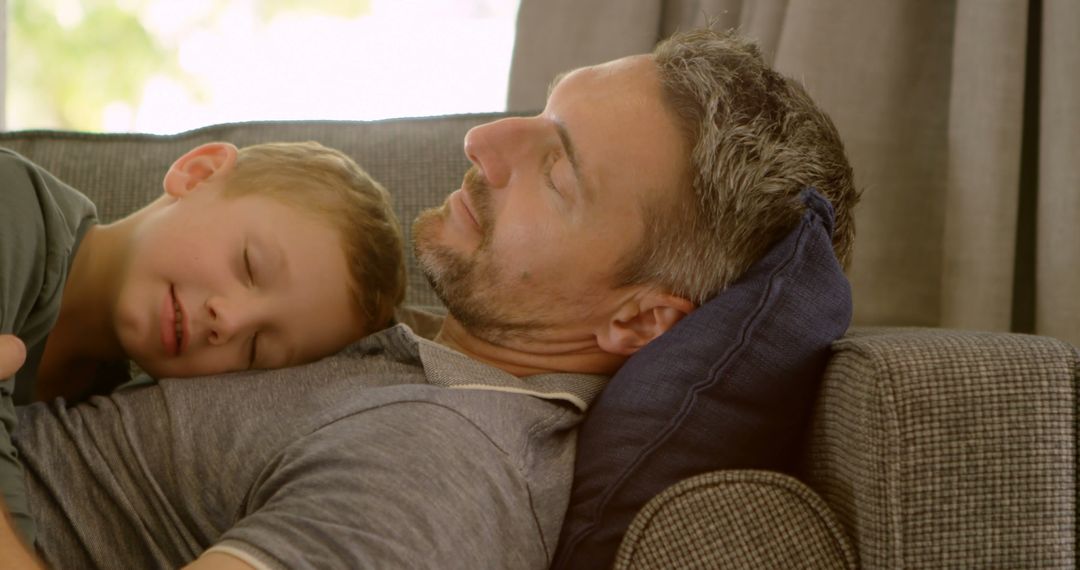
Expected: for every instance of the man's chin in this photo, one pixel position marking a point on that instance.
(477, 305)
(451, 278)
(466, 285)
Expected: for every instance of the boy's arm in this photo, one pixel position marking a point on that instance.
(217, 561)
(12, 355)
(16, 555)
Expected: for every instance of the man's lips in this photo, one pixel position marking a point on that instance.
(463, 196)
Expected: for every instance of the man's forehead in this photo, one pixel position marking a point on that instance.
(602, 70)
(614, 116)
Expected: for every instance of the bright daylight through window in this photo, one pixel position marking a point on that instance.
(165, 66)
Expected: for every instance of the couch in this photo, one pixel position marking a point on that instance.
(927, 448)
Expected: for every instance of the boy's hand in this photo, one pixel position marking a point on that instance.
(12, 355)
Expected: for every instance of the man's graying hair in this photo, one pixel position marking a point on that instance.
(758, 140)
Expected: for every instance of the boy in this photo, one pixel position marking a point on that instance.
(265, 257)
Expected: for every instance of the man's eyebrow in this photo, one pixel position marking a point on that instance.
(571, 155)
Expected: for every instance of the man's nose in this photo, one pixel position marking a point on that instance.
(499, 147)
(228, 319)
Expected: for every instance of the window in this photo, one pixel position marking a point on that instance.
(165, 66)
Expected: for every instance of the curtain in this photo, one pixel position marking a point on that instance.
(961, 119)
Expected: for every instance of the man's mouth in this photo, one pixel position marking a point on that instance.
(469, 210)
(474, 195)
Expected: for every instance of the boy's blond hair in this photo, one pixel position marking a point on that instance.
(327, 183)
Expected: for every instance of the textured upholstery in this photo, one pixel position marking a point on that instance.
(735, 519)
(932, 448)
(941, 448)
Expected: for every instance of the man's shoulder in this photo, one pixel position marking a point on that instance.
(414, 469)
(499, 416)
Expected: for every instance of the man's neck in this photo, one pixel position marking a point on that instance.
(572, 351)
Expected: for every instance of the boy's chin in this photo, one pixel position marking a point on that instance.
(153, 369)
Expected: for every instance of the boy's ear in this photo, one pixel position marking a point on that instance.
(641, 319)
(198, 165)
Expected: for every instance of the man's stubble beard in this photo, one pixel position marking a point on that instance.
(471, 286)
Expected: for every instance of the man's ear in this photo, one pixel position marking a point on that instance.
(198, 165)
(641, 319)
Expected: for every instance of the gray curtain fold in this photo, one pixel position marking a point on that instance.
(1057, 268)
(937, 101)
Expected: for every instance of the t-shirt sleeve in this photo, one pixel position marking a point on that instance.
(407, 485)
(40, 220)
(22, 249)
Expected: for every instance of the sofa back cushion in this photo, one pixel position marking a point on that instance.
(732, 385)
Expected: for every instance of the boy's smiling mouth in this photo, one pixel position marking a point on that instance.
(173, 331)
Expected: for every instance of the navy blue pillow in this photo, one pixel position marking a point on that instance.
(730, 386)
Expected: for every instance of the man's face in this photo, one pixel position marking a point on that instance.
(217, 284)
(552, 203)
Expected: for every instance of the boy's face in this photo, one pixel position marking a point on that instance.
(215, 284)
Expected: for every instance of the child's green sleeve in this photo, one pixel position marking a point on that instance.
(41, 221)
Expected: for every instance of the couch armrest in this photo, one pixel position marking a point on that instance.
(735, 519)
(939, 448)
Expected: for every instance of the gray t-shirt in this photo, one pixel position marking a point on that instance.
(42, 221)
(395, 453)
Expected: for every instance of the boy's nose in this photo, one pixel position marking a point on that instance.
(499, 147)
(227, 320)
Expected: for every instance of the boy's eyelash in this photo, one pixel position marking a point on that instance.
(247, 266)
(254, 337)
(547, 173)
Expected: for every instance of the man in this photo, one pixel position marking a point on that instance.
(579, 235)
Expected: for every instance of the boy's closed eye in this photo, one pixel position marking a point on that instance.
(253, 353)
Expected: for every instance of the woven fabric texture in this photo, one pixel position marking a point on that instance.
(735, 519)
(950, 449)
(420, 161)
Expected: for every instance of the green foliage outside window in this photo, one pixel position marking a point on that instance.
(69, 59)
